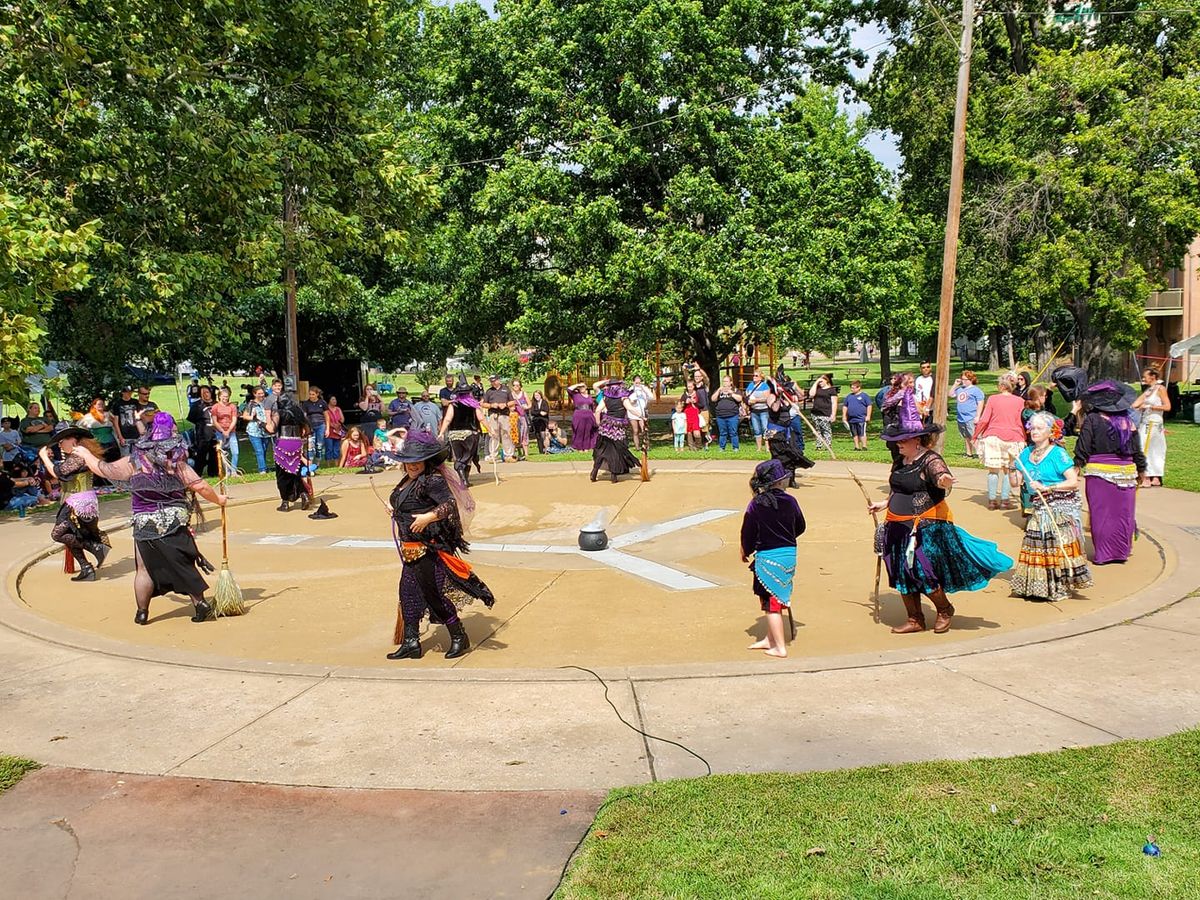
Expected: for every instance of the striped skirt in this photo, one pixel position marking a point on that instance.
(1052, 563)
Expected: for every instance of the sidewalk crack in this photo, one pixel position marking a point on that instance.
(64, 825)
(246, 725)
(637, 705)
(1016, 696)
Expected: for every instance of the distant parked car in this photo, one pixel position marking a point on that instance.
(456, 364)
(147, 377)
(412, 367)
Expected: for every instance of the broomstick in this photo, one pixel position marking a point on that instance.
(227, 596)
(867, 497)
(1062, 545)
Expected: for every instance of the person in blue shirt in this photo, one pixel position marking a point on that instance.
(856, 413)
(1052, 563)
(969, 401)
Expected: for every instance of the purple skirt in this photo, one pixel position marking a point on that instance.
(583, 429)
(1112, 517)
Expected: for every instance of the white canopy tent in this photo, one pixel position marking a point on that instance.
(1188, 345)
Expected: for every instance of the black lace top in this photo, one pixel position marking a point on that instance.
(428, 493)
(914, 486)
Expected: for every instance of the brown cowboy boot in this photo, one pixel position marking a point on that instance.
(945, 612)
(916, 618)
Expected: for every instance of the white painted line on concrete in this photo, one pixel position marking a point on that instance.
(652, 531)
(664, 576)
(365, 545)
(286, 540)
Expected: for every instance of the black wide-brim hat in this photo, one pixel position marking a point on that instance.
(69, 431)
(421, 448)
(1071, 382)
(895, 434)
(1109, 396)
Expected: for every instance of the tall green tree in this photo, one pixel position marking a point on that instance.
(174, 133)
(1082, 177)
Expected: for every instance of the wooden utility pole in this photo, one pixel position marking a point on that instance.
(953, 208)
(289, 283)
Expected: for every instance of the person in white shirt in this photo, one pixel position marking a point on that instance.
(923, 390)
(639, 402)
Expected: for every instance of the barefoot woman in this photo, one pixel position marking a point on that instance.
(772, 523)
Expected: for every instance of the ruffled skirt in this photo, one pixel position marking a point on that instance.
(943, 556)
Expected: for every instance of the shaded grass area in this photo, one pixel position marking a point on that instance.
(1053, 825)
(13, 769)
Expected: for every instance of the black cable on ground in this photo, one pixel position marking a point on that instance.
(628, 724)
(645, 734)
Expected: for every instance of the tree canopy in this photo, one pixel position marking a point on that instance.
(572, 176)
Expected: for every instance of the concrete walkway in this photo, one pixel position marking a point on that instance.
(1131, 670)
(80, 834)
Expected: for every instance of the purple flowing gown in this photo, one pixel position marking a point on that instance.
(583, 422)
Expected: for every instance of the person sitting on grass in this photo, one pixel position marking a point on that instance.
(15, 494)
(555, 442)
(770, 526)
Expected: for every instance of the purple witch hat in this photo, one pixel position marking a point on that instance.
(909, 424)
(162, 427)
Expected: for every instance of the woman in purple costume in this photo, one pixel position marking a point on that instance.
(1110, 456)
(583, 420)
(612, 443)
(291, 466)
(164, 551)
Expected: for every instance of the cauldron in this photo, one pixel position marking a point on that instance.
(592, 537)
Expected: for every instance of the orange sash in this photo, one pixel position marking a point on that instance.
(940, 513)
(411, 551)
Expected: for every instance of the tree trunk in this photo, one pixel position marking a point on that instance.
(995, 337)
(1012, 360)
(1041, 348)
(708, 354)
(885, 354)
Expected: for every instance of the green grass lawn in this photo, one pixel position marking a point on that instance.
(12, 770)
(1054, 825)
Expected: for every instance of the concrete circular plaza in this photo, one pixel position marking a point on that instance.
(298, 691)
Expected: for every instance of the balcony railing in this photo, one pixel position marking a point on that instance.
(1165, 303)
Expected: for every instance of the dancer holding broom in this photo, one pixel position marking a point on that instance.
(431, 510)
(165, 552)
(924, 551)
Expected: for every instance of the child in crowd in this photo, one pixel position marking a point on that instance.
(770, 526)
(679, 425)
(856, 413)
(18, 493)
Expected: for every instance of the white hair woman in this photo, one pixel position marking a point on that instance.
(1052, 563)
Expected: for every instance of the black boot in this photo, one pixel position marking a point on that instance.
(99, 550)
(141, 616)
(459, 642)
(411, 647)
(284, 506)
(86, 572)
(203, 610)
(595, 472)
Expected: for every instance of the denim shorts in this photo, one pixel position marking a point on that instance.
(967, 429)
(858, 429)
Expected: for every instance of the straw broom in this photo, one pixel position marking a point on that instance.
(227, 596)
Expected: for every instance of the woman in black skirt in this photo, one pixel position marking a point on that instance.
(430, 510)
(165, 552)
(612, 418)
